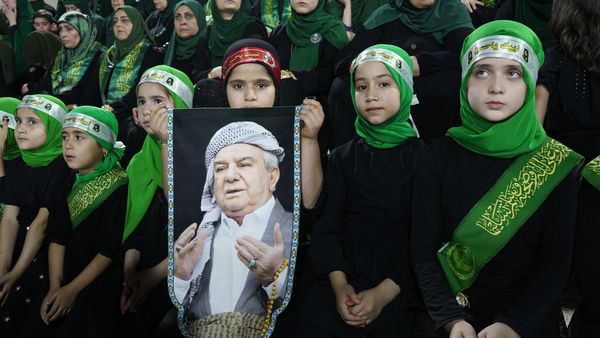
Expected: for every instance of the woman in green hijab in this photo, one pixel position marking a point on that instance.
(308, 45)
(230, 22)
(36, 182)
(494, 201)
(187, 50)
(431, 32)
(122, 65)
(160, 21)
(73, 76)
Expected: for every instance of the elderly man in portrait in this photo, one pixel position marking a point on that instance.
(235, 264)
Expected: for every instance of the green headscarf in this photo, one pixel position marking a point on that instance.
(91, 190)
(305, 33)
(8, 106)
(225, 32)
(103, 127)
(397, 129)
(183, 49)
(52, 112)
(522, 132)
(440, 19)
(71, 64)
(139, 31)
(145, 169)
(536, 15)
(361, 10)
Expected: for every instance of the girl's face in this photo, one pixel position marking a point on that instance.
(229, 6)
(68, 35)
(186, 25)
(150, 94)
(496, 89)
(250, 85)
(422, 4)
(304, 6)
(80, 150)
(30, 131)
(376, 93)
(160, 4)
(116, 4)
(122, 25)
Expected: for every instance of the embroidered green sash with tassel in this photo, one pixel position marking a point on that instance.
(501, 212)
(116, 79)
(87, 197)
(591, 172)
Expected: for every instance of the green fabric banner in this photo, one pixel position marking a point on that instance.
(501, 212)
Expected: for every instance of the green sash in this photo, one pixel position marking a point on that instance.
(124, 74)
(65, 76)
(591, 172)
(87, 197)
(501, 212)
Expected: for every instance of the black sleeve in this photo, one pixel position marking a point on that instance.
(318, 80)
(59, 222)
(587, 249)
(550, 71)
(427, 238)
(113, 223)
(154, 56)
(326, 249)
(543, 288)
(87, 90)
(431, 62)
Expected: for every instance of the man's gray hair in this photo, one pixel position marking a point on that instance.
(244, 132)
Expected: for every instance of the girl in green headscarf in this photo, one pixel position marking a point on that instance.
(188, 44)
(35, 185)
(145, 235)
(494, 201)
(73, 75)
(86, 236)
(308, 46)
(123, 63)
(366, 215)
(160, 21)
(229, 24)
(8, 147)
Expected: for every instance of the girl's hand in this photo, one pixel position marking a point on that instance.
(138, 288)
(460, 329)
(345, 299)
(3, 134)
(311, 117)
(6, 283)
(471, 5)
(159, 120)
(370, 306)
(498, 330)
(60, 303)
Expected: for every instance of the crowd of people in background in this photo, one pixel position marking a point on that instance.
(450, 156)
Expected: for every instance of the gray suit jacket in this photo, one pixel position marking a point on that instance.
(253, 298)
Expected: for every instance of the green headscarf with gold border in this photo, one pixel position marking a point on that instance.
(522, 132)
(71, 64)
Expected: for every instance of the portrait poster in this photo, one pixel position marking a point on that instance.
(253, 161)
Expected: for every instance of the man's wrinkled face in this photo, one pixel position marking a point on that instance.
(242, 180)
